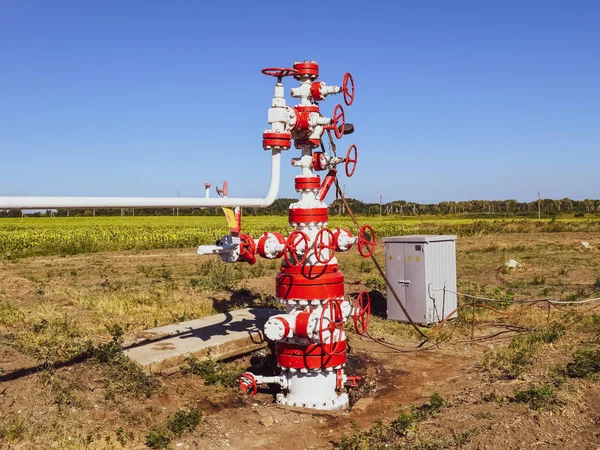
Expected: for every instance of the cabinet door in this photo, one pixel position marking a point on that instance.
(394, 263)
(414, 280)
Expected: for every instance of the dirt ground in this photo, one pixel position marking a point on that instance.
(54, 393)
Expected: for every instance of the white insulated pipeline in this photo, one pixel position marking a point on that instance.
(148, 202)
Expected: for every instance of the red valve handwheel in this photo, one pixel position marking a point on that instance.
(247, 249)
(248, 383)
(336, 322)
(362, 312)
(366, 242)
(289, 251)
(319, 245)
(338, 115)
(279, 72)
(348, 92)
(351, 160)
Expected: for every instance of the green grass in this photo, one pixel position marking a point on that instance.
(512, 360)
(212, 371)
(536, 397)
(393, 434)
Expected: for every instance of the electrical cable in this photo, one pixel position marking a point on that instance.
(373, 258)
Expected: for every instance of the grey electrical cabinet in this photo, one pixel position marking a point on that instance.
(419, 267)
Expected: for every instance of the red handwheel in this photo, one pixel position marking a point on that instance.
(290, 252)
(248, 384)
(338, 121)
(279, 72)
(320, 245)
(366, 241)
(351, 160)
(362, 312)
(348, 89)
(335, 321)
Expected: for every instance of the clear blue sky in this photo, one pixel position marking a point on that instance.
(455, 100)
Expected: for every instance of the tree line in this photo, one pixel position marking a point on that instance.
(493, 208)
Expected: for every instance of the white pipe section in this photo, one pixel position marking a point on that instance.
(148, 202)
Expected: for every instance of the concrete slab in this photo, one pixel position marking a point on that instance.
(222, 336)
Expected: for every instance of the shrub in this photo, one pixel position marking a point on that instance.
(184, 421)
(212, 371)
(586, 361)
(536, 397)
(375, 284)
(511, 361)
(157, 440)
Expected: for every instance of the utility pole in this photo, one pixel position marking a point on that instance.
(380, 204)
(539, 207)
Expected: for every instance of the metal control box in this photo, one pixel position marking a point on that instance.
(419, 267)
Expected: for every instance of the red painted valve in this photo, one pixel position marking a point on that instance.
(366, 241)
(348, 91)
(335, 322)
(247, 249)
(362, 312)
(338, 121)
(248, 384)
(319, 245)
(351, 160)
(279, 72)
(290, 252)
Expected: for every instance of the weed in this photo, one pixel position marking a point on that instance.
(492, 397)
(586, 361)
(564, 272)
(512, 360)
(121, 439)
(402, 424)
(536, 397)
(375, 284)
(436, 402)
(14, 430)
(257, 270)
(538, 280)
(212, 372)
(146, 270)
(596, 284)
(183, 421)
(121, 375)
(365, 267)
(217, 276)
(389, 435)
(10, 314)
(158, 440)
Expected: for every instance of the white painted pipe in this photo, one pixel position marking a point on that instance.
(148, 202)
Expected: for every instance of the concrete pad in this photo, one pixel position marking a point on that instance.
(222, 336)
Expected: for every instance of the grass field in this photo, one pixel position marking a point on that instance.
(64, 382)
(69, 236)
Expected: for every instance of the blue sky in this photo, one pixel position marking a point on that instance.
(455, 100)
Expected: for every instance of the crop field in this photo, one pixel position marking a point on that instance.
(74, 291)
(68, 236)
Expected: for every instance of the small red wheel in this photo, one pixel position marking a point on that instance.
(335, 322)
(366, 241)
(290, 252)
(338, 116)
(248, 384)
(362, 312)
(319, 245)
(279, 72)
(348, 91)
(351, 160)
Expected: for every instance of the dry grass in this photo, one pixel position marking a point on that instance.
(55, 309)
